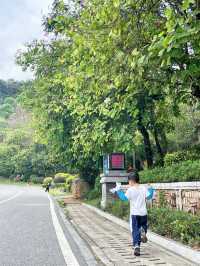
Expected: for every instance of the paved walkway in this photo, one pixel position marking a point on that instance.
(112, 243)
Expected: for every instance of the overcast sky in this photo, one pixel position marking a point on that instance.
(20, 22)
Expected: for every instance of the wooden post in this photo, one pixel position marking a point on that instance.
(180, 200)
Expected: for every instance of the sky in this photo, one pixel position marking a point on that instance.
(20, 22)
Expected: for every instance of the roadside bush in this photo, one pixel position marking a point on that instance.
(25, 178)
(180, 172)
(69, 180)
(175, 224)
(47, 180)
(96, 191)
(60, 177)
(92, 194)
(97, 185)
(23, 165)
(180, 156)
(119, 208)
(36, 179)
(59, 185)
(7, 166)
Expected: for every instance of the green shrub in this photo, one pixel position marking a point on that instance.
(25, 178)
(97, 185)
(10, 100)
(47, 180)
(59, 180)
(119, 208)
(92, 194)
(96, 192)
(162, 199)
(180, 156)
(64, 175)
(69, 180)
(175, 224)
(180, 172)
(59, 185)
(36, 179)
(94, 202)
(60, 177)
(7, 165)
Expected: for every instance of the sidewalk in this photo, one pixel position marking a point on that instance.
(111, 243)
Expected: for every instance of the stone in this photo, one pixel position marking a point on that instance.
(79, 188)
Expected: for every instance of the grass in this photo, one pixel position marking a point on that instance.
(56, 192)
(94, 202)
(61, 203)
(7, 181)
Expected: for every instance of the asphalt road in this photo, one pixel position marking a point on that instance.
(27, 231)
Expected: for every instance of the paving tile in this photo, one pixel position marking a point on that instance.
(112, 243)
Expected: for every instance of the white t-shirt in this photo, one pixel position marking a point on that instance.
(137, 197)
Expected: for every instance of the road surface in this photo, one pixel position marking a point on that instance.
(31, 232)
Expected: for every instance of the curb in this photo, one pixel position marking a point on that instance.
(77, 244)
(171, 245)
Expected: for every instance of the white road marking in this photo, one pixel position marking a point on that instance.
(11, 198)
(68, 255)
(34, 204)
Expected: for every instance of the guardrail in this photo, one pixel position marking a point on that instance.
(179, 195)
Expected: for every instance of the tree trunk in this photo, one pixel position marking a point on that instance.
(164, 142)
(147, 143)
(198, 9)
(158, 146)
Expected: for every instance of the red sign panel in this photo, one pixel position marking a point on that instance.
(117, 161)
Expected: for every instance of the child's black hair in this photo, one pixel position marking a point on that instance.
(134, 176)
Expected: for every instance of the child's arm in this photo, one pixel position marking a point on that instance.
(150, 193)
(120, 193)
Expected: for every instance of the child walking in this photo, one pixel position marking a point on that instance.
(137, 195)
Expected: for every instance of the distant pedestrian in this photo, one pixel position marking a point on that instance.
(137, 195)
(47, 187)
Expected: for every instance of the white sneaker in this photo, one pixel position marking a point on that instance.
(137, 251)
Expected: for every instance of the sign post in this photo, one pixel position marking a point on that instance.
(113, 171)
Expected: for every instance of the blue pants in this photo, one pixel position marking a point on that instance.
(138, 222)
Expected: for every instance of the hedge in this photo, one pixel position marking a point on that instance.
(60, 178)
(175, 224)
(47, 180)
(184, 171)
(36, 179)
(180, 156)
(96, 191)
(69, 181)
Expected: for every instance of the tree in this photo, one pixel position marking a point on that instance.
(9, 88)
(103, 77)
(176, 50)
